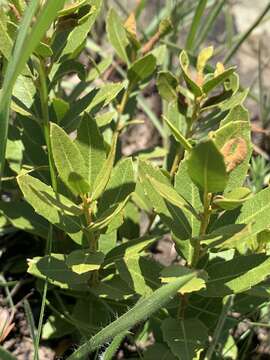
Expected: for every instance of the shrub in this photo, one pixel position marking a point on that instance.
(68, 184)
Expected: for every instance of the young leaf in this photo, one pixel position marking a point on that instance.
(178, 136)
(141, 69)
(68, 161)
(193, 87)
(206, 167)
(167, 84)
(186, 338)
(203, 57)
(140, 311)
(117, 35)
(217, 80)
(90, 143)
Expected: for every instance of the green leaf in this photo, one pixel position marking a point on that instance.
(140, 311)
(159, 53)
(255, 210)
(113, 287)
(43, 50)
(206, 167)
(178, 136)
(107, 241)
(117, 35)
(154, 351)
(172, 272)
(167, 85)
(190, 192)
(236, 275)
(57, 209)
(129, 249)
(233, 199)
(68, 160)
(141, 69)
(54, 268)
(171, 216)
(6, 42)
(105, 95)
(5, 354)
(108, 216)
(78, 35)
(104, 174)
(227, 237)
(169, 194)
(186, 338)
(193, 87)
(81, 261)
(26, 42)
(217, 80)
(105, 118)
(55, 328)
(120, 185)
(71, 8)
(14, 154)
(140, 274)
(61, 107)
(99, 69)
(90, 143)
(24, 90)
(66, 68)
(91, 102)
(22, 216)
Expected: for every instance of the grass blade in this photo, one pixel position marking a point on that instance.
(30, 319)
(246, 34)
(195, 25)
(114, 346)
(142, 310)
(24, 46)
(207, 26)
(44, 296)
(219, 327)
